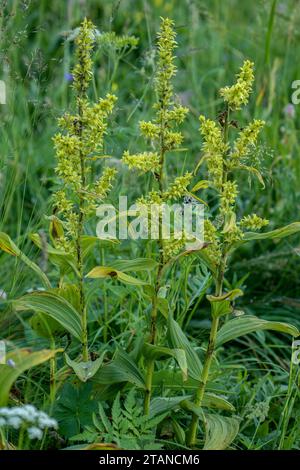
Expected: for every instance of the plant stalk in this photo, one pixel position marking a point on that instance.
(152, 340)
(192, 433)
(52, 373)
(83, 310)
(153, 331)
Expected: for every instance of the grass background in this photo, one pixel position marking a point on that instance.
(214, 37)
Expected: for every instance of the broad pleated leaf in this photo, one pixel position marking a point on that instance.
(163, 404)
(121, 369)
(178, 340)
(220, 431)
(45, 326)
(88, 242)
(277, 233)
(160, 353)
(138, 264)
(53, 305)
(19, 360)
(246, 324)
(101, 272)
(211, 400)
(7, 245)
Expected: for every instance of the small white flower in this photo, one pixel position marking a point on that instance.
(22, 413)
(32, 412)
(46, 422)
(27, 415)
(4, 411)
(34, 433)
(14, 421)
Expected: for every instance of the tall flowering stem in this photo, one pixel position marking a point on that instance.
(164, 137)
(222, 159)
(79, 144)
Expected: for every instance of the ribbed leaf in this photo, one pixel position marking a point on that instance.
(203, 184)
(246, 324)
(220, 431)
(7, 245)
(60, 258)
(210, 400)
(178, 340)
(101, 272)
(162, 404)
(45, 326)
(53, 305)
(19, 360)
(159, 352)
(88, 242)
(278, 233)
(121, 369)
(138, 264)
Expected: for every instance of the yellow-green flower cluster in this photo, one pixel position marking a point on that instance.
(149, 205)
(65, 207)
(110, 39)
(213, 249)
(101, 188)
(178, 188)
(94, 123)
(172, 140)
(146, 161)
(228, 196)
(247, 138)
(82, 71)
(222, 158)
(168, 113)
(232, 233)
(153, 197)
(177, 114)
(84, 137)
(172, 247)
(160, 131)
(68, 148)
(79, 143)
(61, 202)
(253, 222)
(214, 149)
(150, 130)
(166, 68)
(238, 94)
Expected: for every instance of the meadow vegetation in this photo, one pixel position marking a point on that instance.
(149, 343)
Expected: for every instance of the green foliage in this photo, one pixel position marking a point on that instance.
(49, 303)
(74, 408)
(18, 362)
(128, 427)
(246, 324)
(220, 431)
